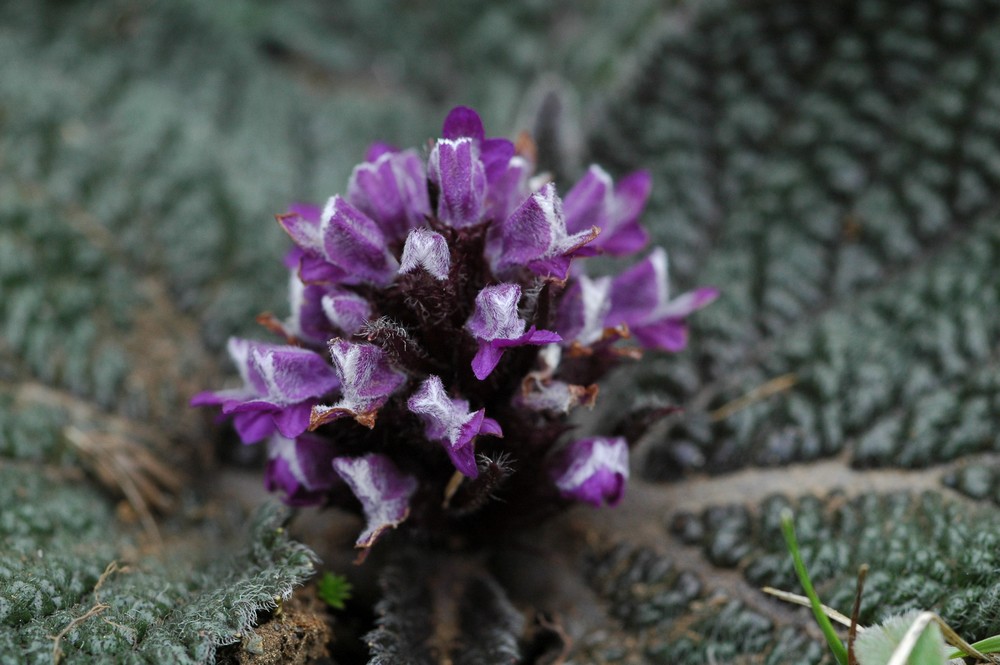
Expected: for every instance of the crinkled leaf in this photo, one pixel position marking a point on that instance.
(832, 168)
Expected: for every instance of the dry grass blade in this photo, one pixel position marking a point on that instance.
(852, 632)
(778, 384)
(956, 640)
(126, 467)
(796, 599)
(97, 608)
(57, 652)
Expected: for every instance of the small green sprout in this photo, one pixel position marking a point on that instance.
(914, 638)
(333, 590)
(836, 646)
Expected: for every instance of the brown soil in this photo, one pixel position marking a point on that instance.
(296, 634)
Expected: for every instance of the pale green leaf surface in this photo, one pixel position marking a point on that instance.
(832, 167)
(877, 645)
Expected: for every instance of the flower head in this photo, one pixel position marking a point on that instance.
(436, 307)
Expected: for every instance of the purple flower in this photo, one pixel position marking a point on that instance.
(640, 299)
(346, 310)
(494, 153)
(496, 327)
(307, 211)
(300, 468)
(614, 209)
(535, 237)
(428, 250)
(508, 188)
(592, 470)
(280, 385)
(384, 492)
(584, 310)
(345, 246)
(318, 313)
(450, 422)
(636, 301)
(418, 260)
(392, 190)
(454, 166)
(306, 323)
(367, 380)
(461, 122)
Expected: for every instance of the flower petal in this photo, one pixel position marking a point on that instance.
(626, 235)
(392, 190)
(509, 186)
(304, 229)
(586, 204)
(344, 245)
(377, 149)
(254, 426)
(291, 374)
(443, 417)
(640, 300)
(280, 384)
(428, 250)
(301, 468)
(593, 470)
(450, 422)
(584, 308)
(535, 236)
(496, 154)
(669, 330)
(307, 321)
(531, 336)
(688, 303)
(496, 326)
(490, 427)
(346, 310)
(495, 315)
(486, 359)
(615, 210)
(463, 122)
(640, 291)
(354, 243)
(454, 166)
(293, 420)
(383, 490)
(315, 269)
(367, 381)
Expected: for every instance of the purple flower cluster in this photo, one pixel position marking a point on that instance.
(440, 334)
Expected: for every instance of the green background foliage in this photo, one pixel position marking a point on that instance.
(831, 166)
